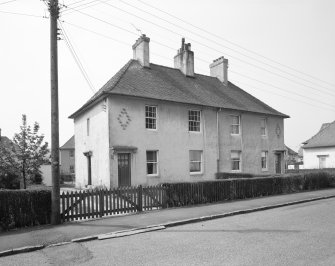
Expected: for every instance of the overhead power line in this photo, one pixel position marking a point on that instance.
(235, 44)
(21, 14)
(6, 2)
(214, 49)
(234, 50)
(76, 58)
(322, 106)
(279, 88)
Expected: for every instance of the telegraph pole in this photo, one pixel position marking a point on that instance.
(55, 199)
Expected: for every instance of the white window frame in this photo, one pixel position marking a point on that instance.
(201, 162)
(234, 159)
(194, 121)
(266, 153)
(152, 162)
(238, 124)
(155, 118)
(265, 133)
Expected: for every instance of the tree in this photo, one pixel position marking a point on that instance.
(9, 166)
(30, 150)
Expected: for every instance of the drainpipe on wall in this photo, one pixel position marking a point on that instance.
(218, 140)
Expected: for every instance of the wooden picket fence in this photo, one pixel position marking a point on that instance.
(88, 204)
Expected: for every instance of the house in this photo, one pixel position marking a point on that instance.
(319, 150)
(151, 124)
(67, 158)
(293, 159)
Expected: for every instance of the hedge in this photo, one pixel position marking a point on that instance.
(20, 208)
(182, 194)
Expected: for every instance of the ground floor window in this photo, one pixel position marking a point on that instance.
(195, 161)
(72, 169)
(152, 162)
(264, 160)
(235, 157)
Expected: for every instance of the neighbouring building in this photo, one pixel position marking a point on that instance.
(319, 150)
(67, 158)
(293, 159)
(151, 124)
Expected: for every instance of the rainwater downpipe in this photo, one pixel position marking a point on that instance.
(218, 141)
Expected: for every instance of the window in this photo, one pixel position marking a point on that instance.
(72, 169)
(152, 163)
(195, 161)
(194, 120)
(235, 125)
(72, 153)
(264, 160)
(88, 126)
(322, 161)
(150, 117)
(263, 126)
(235, 157)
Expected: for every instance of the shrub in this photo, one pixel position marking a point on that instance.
(233, 175)
(9, 181)
(182, 194)
(19, 208)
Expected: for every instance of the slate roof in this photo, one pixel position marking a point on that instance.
(170, 84)
(324, 138)
(69, 144)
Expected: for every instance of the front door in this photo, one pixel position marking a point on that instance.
(278, 163)
(124, 169)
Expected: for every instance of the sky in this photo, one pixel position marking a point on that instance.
(280, 51)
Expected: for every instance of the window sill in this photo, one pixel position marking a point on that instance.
(232, 134)
(265, 170)
(196, 173)
(151, 129)
(153, 175)
(195, 132)
(236, 171)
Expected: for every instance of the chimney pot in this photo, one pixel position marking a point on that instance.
(219, 69)
(184, 60)
(141, 50)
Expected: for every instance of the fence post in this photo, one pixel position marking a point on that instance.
(101, 202)
(140, 202)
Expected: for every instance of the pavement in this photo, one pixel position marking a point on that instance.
(35, 238)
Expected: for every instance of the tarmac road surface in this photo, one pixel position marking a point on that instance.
(301, 234)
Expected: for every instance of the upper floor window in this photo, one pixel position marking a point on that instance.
(264, 160)
(235, 157)
(152, 162)
(194, 120)
(150, 117)
(88, 126)
(195, 161)
(235, 124)
(72, 153)
(263, 127)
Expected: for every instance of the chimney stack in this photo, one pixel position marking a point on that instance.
(141, 50)
(184, 60)
(219, 69)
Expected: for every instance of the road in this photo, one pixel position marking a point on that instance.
(301, 234)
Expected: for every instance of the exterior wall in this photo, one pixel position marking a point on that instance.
(250, 141)
(172, 140)
(46, 174)
(96, 142)
(311, 159)
(125, 122)
(66, 161)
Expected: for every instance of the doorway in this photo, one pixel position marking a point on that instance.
(278, 163)
(124, 169)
